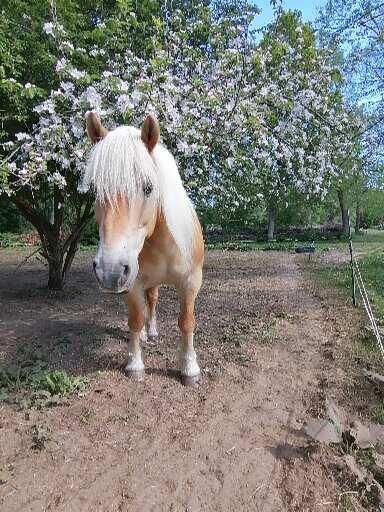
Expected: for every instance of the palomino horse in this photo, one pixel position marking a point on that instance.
(149, 233)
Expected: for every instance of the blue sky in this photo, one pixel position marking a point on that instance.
(309, 9)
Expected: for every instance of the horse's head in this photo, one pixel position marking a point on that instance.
(123, 175)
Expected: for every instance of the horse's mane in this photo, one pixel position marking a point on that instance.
(120, 165)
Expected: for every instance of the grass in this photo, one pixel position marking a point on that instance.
(370, 252)
(379, 414)
(372, 271)
(322, 242)
(11, 240)
(371, 240)
(251, 245)
(367, 458)
(365, 349)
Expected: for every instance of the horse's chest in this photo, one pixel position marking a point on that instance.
(157, 267)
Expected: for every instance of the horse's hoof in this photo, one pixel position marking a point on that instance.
(137, 375)
(191, 381)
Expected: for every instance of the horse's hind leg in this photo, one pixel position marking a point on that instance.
(189, 368)
(136, 320)
(152, 299)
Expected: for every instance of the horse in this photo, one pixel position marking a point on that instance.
(149, 234)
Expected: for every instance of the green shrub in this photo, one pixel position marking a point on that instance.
(11, 240)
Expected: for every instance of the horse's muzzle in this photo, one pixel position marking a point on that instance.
(115, 280)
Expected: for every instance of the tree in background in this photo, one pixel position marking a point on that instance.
(247, 123)
(355, 29)
(189, 74)
(305, 127)
(42, 164)
(357, 26)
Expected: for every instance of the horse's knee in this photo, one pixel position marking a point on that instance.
(152, 298)
(153, 294)
(187, 323)
(136, 320)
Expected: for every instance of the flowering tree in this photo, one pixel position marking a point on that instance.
(355, 27)
(183, 83)
(304, 130)
(231, 111)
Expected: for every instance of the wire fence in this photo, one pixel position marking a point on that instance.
(357, 280)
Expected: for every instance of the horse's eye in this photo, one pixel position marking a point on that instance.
(147, 189)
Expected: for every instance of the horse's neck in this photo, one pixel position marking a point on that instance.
(162, 235)
(159, 253)
(161, 238)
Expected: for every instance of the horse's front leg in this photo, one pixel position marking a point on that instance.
(136, 321)
(189, 368)
(152, 299)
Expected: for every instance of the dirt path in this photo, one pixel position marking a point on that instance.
(234, 444)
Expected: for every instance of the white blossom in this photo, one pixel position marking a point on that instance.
(124, 103)
(237, 119)
(61, 64)
(58, 180)
(76, 73)
(48, 28)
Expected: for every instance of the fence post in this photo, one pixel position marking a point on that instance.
(351, 261)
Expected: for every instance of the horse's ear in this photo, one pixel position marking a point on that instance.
(150, 132)
(95, 129)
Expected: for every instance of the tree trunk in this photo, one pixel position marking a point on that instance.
(358, 216)
(344, 212)
(271, 224)
(56, 275)
(58, 253)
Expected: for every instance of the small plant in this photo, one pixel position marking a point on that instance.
(31, 374)
(37, 379)
(268, 332)
(58, 383)
(40, 437)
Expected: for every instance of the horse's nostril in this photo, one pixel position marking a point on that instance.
(94, 266)
(126, 270)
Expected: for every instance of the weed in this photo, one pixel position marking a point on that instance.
(4, 396)
(40, 437)
(367, 458)
(37, 379)
(58, 383)
(30, 374)
(268, 332)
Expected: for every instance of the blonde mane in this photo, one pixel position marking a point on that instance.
(120, 165)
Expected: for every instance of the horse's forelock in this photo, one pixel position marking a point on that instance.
(120, 165)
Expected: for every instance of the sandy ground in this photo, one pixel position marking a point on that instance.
(266, 342)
